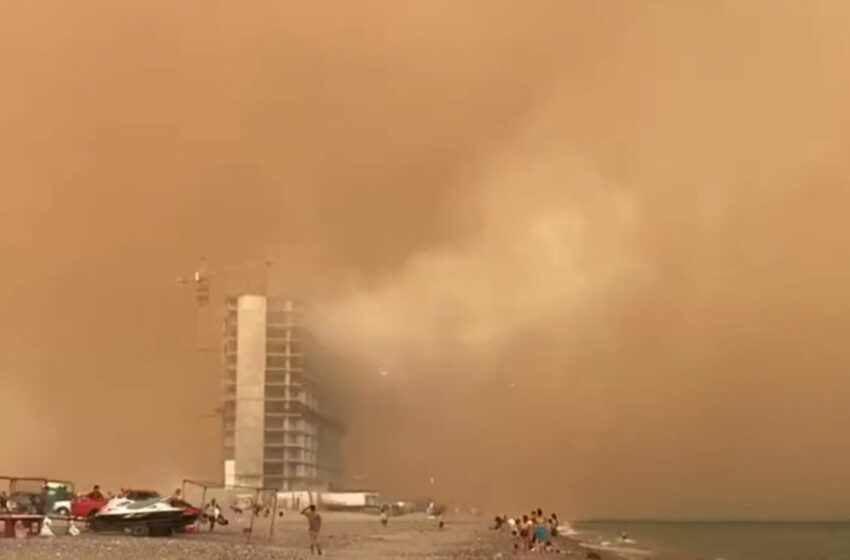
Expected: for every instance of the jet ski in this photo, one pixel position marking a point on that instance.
(151, 516)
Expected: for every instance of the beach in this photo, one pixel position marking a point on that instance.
(343, 536)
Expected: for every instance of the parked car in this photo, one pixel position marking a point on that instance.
(60, 496)
(83, 507)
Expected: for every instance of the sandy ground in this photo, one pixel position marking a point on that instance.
(345, 537)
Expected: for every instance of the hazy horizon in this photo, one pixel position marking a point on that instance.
(601, 249)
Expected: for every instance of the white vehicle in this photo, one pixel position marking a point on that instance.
(62, 494)
(62, 508)
(348, 500)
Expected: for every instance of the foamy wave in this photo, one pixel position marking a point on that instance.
(568, 530)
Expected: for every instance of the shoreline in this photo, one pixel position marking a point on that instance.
(345, 537)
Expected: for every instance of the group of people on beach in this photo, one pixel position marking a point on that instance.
(533, 532)
(212, 515)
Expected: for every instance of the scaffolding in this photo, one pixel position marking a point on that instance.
(300, 444)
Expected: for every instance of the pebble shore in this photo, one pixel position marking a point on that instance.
(362, 539)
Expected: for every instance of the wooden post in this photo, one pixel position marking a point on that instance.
(274, 515)
(203, 506)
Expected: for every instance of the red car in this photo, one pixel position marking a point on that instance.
(84, 507)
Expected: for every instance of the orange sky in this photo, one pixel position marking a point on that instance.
(602, 248)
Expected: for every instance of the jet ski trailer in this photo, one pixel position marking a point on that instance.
(154, 517)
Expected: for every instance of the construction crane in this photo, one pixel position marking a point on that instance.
(202, 278)
(202, 275)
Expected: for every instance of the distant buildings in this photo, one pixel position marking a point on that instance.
(281, 429)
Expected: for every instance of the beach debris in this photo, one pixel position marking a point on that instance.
(46, 528)
(20, 531)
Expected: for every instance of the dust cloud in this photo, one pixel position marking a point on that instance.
(586, 256)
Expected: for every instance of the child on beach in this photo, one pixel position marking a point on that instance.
(523, 535)
(553, 525)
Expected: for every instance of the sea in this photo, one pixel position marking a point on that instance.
(737, 540)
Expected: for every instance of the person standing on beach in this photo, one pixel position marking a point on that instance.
(541, 536)
(212, 513)
(96, 495)
(523, 542)
(314, 525)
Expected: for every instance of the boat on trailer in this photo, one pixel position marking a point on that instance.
(141, 518)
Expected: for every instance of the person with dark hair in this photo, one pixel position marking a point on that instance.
(523, 535)
(96, 495)
(553, 525)
(541, 534)
(212, 514)
(314, 525)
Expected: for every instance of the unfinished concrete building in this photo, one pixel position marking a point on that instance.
(281, 429)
